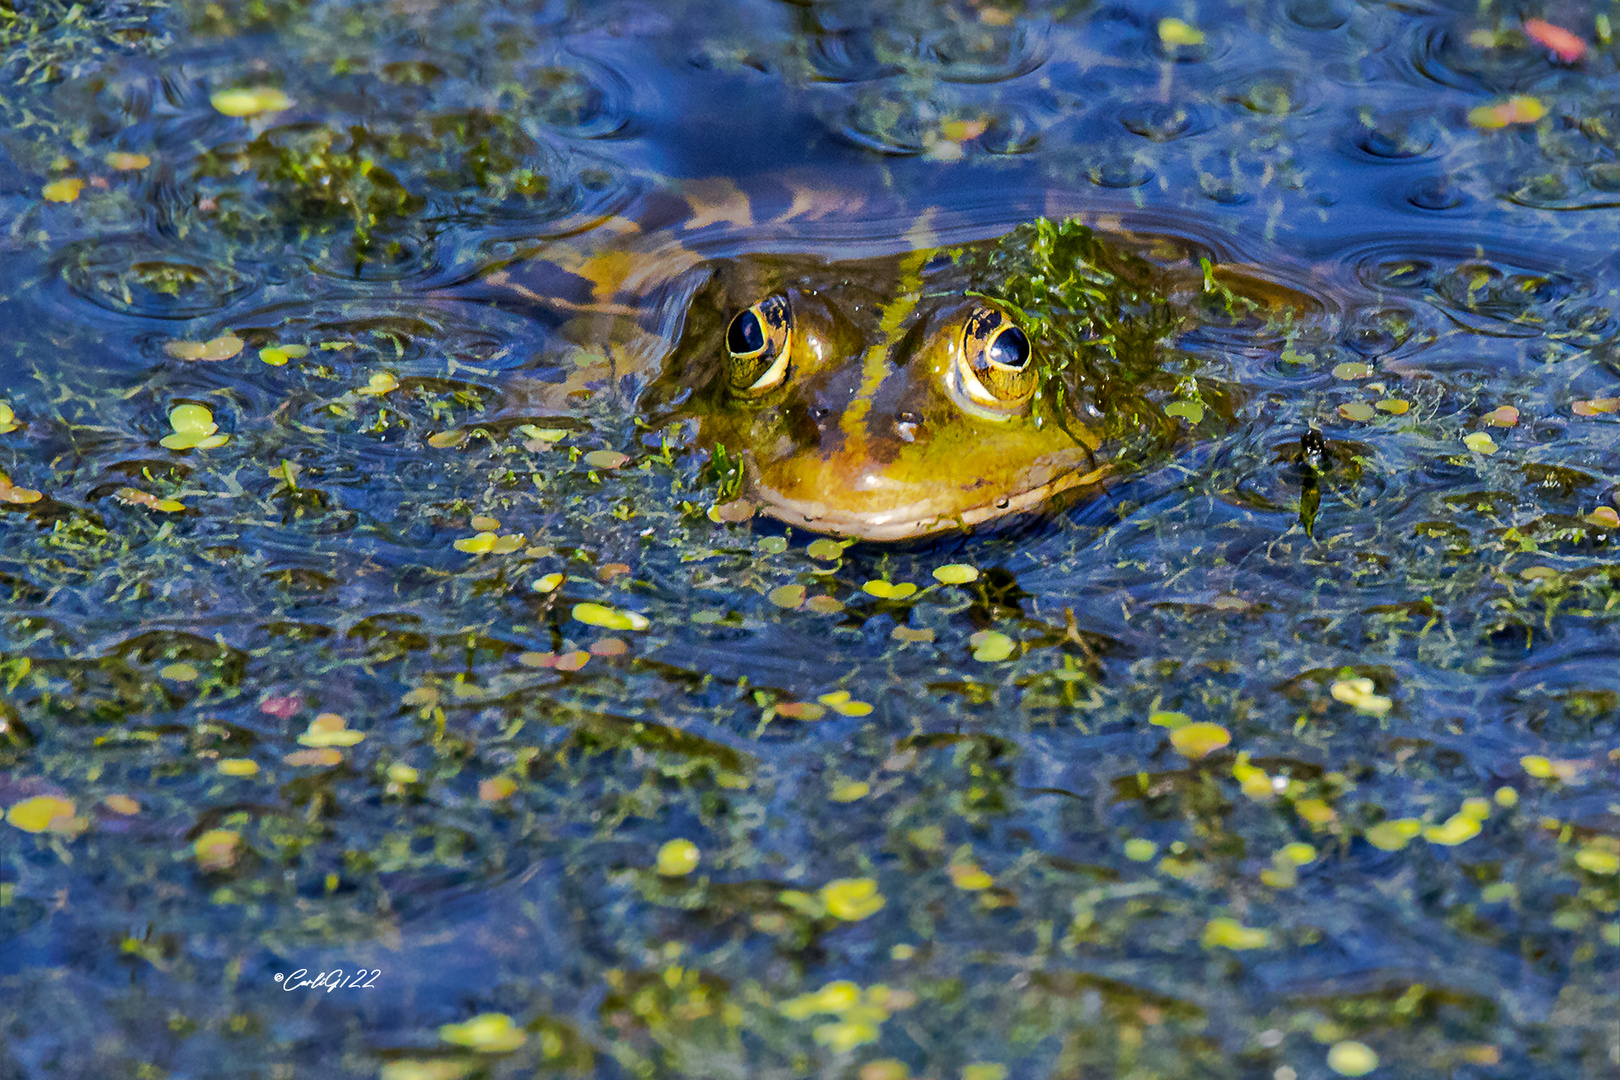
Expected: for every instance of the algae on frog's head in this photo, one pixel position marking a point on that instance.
(897, 397)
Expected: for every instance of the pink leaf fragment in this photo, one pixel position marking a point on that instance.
(1563, 44)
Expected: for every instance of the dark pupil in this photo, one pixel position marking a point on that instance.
(745, 335)
(1010, 348)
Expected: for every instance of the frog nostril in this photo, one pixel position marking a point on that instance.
(818, 413)
(906, 425)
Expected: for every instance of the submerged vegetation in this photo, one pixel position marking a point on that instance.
(379, 697)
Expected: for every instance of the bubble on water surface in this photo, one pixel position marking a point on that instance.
(1317, 14)
(573, 96)
(942, 133)
(853, 46)
(1158, 122)
(379, 257)
(984, 53)
(1121, 170)
(1270, 93)
(1436, 193)
(1395, 138)
(1379, 331)
(1454, 57)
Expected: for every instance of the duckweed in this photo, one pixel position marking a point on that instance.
(677, 858)
(490, 835)
(834, 997)
(427, 1069)
(1604, 861)
(65, 190)
(606, 459)
(787, 596)
(800, 710)
(489, 543)
(194, 428)
(41, 813)
(840, 702)
(121, 804)
(1198, 740)
(1361, 694)
(1226, 933)
(250, 101)
(852, 899)
(1504, 416)
(1140, 849)
(984, 1070)
(124, 161)
(496, 788)
(1173, 32)
(1543, 768)
(969, 876)
(223, 347)
(991, 646)
(279, 355)
(217, 849)
(137, 497)
(486, 1033)
(1518, 109)
(330, 730)
(825, 550)
(1457, 829)
(1299, 853)
(16, 494)
(1350, 1058)
(609, 618)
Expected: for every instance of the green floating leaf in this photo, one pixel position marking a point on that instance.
(487, 1033)
(989, 646)
(609, 618)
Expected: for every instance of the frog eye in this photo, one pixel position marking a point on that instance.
(995, 371)
(758, 342)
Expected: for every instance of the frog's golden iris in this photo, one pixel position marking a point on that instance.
(759, 342)
(994, 375)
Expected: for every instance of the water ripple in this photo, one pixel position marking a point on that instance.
(142, 277)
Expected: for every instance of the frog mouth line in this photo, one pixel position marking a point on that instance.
(909, 522)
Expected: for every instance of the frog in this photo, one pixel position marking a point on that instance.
(899, 397)
(896, 396)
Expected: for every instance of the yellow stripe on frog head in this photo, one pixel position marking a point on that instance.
(875, 362)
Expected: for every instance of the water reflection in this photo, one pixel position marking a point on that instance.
(1270, 749)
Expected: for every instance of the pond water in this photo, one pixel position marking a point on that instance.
(374, 617)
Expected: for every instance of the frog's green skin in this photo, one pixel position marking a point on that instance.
(869, 434)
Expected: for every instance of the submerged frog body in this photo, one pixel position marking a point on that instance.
(893, 398)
